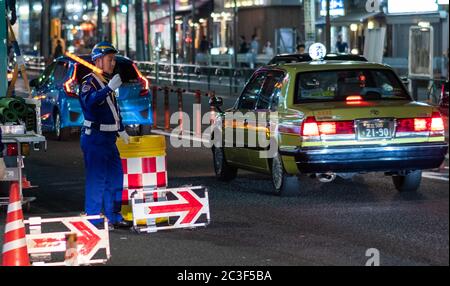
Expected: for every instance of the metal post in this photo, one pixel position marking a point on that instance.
(45, 33)
(99, 21)
(139, 17)
(193, 33)
(154, 106)
(166, 109)
(149, 27)
(116, 28)
(328, 28)
(198, 115)
(173, 40)
(180, 108)
(3, 56)
(235, 40)
(127, 31)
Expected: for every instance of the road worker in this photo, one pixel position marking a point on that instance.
(102, 125)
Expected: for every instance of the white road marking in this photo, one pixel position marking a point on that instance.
(435, 176)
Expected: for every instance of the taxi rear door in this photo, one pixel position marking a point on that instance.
(237, 121)
(259, 126)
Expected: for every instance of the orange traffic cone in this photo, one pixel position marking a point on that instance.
(15, 252)
(25, 183)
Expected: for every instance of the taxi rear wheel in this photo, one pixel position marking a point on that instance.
(409, 182)
(284, 185)
(224, 172)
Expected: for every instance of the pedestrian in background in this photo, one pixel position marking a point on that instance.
(58, 50)
(268, 50)
(341, 47)
(254, 49)
(301, 49)
(243, 46)
(204, 45)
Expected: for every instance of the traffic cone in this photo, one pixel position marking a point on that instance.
(15, 252)
(25, 183)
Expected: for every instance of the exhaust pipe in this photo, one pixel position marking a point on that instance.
(326, 177)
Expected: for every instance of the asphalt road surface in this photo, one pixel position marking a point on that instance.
(326, 224)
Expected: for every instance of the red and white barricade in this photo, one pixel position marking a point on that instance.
(45, 247)
(142, 173)
(186, 207)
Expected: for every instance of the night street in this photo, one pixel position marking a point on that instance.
(229, 134)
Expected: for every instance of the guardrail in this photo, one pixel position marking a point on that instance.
(223, 80)
(169, 93)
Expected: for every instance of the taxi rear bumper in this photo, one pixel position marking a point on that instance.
(368, 158)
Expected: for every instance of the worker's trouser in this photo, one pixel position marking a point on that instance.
(104, 175)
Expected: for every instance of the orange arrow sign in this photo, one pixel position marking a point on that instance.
(56, 241)
(192, 206)
(89, 239)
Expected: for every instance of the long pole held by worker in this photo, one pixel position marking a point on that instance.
(90, 66)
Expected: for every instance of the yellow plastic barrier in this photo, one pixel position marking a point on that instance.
(144, 167)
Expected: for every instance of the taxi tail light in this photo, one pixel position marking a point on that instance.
(434, 124)
(354, 100)
(71, 84)
(310, 127)
(313, 128)
(437, 123)
(144, 82)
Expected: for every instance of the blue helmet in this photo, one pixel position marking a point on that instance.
(101, 49)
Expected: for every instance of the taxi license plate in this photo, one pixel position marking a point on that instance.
(375, 129)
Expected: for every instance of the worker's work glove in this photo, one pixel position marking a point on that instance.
(115, 82)
(124, 136)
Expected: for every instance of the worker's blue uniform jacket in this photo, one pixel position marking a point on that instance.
(104, 174)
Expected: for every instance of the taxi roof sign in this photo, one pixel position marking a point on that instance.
(317, 51)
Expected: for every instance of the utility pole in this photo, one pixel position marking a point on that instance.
(45, 35)
(99, 21)
(309, 10)
(235, 28)
(127, 32)
(173, 40)
(3, 48)
(193, 32)
(328, 28)
(140, 46)
(149, 32)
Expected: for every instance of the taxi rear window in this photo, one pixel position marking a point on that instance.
(337, 85)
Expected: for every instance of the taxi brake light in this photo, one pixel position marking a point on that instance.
(354, 98)
(313, 128)
(310, 127)
(437, 124)
(420, 124)
(327, 128)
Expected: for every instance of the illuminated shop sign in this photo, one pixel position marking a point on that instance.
(412, 6)
(336, 8)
